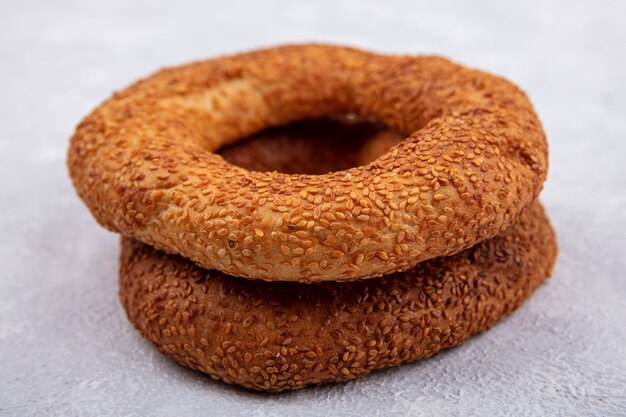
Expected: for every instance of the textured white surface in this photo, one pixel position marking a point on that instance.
(65, 345)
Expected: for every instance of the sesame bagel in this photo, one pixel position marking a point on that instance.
(275, 336)
(474, 156)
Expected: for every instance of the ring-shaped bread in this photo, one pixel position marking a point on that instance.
(274, 336)
(282, 335)
(474, 157)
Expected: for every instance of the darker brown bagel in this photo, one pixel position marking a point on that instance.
(474, 157)
(278, 336)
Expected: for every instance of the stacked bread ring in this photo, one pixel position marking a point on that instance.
(440, 236)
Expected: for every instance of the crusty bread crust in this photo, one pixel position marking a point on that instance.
(277, 336)
(274, 336)
(474, 158)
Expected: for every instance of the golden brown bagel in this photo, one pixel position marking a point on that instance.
(474, 158)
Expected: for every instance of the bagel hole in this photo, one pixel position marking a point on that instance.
(314, 146)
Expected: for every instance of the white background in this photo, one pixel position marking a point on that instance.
(65, 345)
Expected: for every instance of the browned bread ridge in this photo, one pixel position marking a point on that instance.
(274, 336)
(277, 336)
(474, 157)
